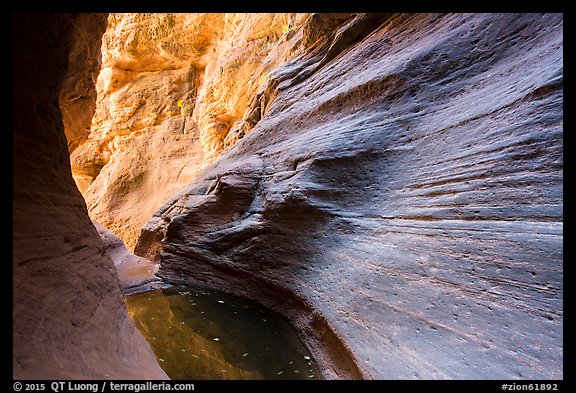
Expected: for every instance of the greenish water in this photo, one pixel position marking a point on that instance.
(200, 334)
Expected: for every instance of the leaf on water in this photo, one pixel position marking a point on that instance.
(296, 371)
(216, 339)
(307, 357)
(221, 301)
(264, 320)
(279, 372)
(162, 360)
(246, 354)
(183, 350)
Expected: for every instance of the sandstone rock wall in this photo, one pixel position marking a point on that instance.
(174, 92)
(69, 318)
(399, 198)
(77, 96)
(134, 273)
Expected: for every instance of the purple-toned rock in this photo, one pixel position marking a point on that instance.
(69, 317)
(399, 198)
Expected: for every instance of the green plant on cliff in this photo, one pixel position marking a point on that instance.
(263, 79)
(185, 109)
(287, 28)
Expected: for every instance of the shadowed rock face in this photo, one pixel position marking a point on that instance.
(134, 273)
(69, 319)
(78, 92)
(399, 198)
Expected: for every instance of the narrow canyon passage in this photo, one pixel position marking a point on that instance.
(391, 185)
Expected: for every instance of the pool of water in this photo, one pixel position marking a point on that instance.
(202, 334)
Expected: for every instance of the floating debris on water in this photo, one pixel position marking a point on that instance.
(214, 336)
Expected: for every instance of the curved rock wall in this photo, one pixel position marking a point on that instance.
(399, 198)
(69, 318)
(173, 93)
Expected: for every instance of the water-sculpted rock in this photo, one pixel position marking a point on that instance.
(69, 319)
(399, 198)
(173, 93)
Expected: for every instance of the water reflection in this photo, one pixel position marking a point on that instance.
(200, 334)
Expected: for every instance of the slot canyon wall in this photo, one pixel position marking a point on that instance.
(399, 198)
(173, 93)
(69, 318)
(390, 183)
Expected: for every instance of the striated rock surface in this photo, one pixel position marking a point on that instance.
(173, 93)
(69, 318)
(77, 96)
(399, 198)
